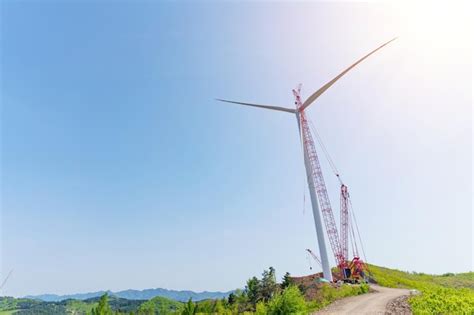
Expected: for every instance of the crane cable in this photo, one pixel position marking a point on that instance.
(353, 239)
(355, 249)
(325, 151)
(304, 181)
(357, 229)
(336, 172)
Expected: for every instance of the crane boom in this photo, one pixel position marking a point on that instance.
(319, 196)
(344, 222)
(314, 256)
(317, 184)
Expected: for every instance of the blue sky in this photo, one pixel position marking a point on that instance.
(119, 170)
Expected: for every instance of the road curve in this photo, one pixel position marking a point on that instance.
(370, 303)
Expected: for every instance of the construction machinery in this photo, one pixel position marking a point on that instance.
(322, 210)
(313, 255)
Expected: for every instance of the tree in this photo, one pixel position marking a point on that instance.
(219, 308)
(205, 306)
(241, 302)
(103, 308)
(189, 308)
(268, 285)
(252, 290)
(285, 283)
(231, 298)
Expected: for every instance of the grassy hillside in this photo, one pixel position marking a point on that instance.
(444, 294)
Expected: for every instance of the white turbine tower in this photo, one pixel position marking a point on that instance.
(317, 188)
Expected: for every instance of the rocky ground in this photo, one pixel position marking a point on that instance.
(399, 306)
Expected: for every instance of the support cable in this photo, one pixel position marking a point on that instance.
(357, 228)
(355, 249)
(336, 172)
(325, 151)
(351, 239)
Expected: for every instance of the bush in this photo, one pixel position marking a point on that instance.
(364, 288)
(291, 301)
(261, 309)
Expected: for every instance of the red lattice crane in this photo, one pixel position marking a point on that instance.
(317, 187)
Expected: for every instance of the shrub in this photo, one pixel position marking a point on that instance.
(261, 309)
(291, 301)
(364, 288)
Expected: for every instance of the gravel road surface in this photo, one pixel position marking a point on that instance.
(370, 303)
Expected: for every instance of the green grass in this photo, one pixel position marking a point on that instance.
(445, 294)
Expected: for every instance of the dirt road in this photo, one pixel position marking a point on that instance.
(370, 303)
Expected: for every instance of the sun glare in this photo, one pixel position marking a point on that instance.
(442, 25)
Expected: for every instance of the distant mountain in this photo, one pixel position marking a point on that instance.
(57, 298)
(147, 294)
(182, 296)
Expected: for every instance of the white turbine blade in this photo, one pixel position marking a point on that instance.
(323, 89)
(281, 109)
(6, 279)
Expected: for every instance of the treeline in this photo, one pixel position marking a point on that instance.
(260, 296)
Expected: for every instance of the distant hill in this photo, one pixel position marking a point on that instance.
(23, 306)
(182, 296)
(136, 295)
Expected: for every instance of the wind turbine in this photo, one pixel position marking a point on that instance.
(317, 187)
